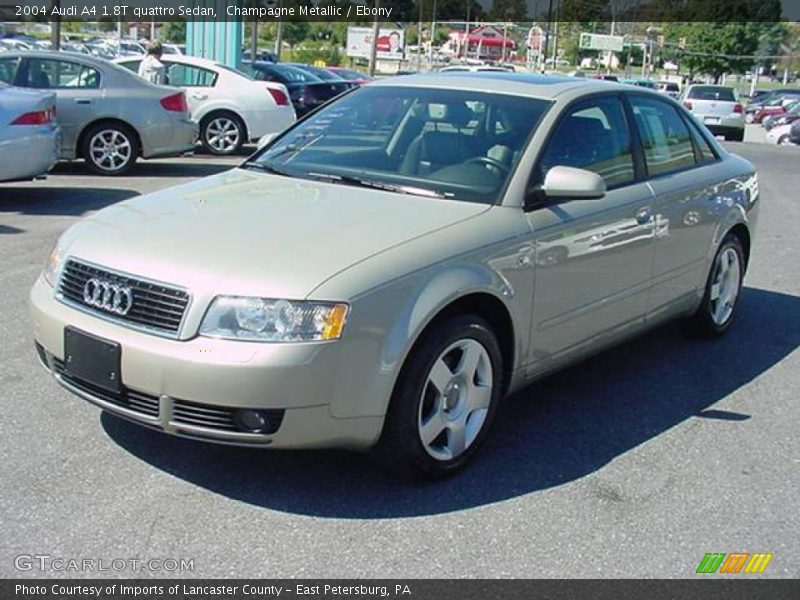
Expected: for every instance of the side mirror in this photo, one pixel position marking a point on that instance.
(567, 183)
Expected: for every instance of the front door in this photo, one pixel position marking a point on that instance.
(594, 258)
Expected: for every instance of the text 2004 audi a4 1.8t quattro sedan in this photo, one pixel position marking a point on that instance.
(385, 271)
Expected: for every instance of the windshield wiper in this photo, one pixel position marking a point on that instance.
(257, 166)
(379, 185)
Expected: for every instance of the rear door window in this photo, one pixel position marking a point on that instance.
(189, 76)
(58, 74)
(665, 136)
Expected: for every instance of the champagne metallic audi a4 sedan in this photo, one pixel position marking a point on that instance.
(381, 274)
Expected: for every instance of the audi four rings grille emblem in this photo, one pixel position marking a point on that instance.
(108, 296)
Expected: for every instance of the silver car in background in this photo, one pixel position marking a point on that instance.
(108, 115)
(718, 108)
(29, 135)
(384, 272)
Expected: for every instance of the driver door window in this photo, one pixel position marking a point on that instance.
(594, 136)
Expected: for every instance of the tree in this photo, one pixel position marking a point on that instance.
(508, 10)
(173, 31)
(717, 48)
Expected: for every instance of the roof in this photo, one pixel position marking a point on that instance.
(527, 84)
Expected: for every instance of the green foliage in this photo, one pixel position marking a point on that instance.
(173, 31)
(508, 10)
(310, 52)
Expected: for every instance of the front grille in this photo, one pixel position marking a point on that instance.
(139, 402)
(154, 307)
(218, 417)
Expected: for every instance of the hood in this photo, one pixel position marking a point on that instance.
(249, 233)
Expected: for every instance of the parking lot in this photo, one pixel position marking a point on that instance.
(633, 464)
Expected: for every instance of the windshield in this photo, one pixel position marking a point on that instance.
(432, 142)
(712, 92)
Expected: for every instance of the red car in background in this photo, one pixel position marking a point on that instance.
(777, 106)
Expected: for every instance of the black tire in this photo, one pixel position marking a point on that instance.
(703, 323)
(735, 137)
(784, 140)
(400, 448)
(116, 135)
(209, 128)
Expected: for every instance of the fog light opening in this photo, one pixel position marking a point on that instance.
(251, 421)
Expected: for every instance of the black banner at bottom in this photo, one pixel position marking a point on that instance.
(734, 588)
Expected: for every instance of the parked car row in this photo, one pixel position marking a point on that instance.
(110, 117)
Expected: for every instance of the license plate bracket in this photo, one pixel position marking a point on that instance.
(92, 359)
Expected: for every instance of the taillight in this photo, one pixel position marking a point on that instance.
(688, 105)
(37, 117)
(738, 108)
(279, 97)
(175, 103)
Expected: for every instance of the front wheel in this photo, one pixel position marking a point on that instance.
(110, 149)
(716, 312)
(444, 400)
(784, 140)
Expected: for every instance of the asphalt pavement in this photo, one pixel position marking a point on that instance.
(634, 463)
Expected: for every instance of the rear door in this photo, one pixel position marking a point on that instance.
(593, 258)
(686, 176)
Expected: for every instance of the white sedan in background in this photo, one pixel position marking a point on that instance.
(29, 136)
(780, 135)
(231, 107)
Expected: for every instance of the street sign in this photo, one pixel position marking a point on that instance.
(596, 41)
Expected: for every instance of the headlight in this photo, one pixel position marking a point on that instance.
(52, 269)
(269, 320)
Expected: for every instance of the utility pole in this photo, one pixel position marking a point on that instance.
(543, 52)
(610, 54)
(55, 27)
(419, 38)
(376, 31)
(466, 31)
(279, 35)
(433, 33)
(254, 41)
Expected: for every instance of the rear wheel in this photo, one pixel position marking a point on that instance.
(110, 149)
(716, 312)
(444, 400)
(222, 133)
(784, 140)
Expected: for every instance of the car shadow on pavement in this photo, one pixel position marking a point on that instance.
(558, 430)
(51, 200)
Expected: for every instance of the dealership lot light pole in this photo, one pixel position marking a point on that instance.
(373, 50)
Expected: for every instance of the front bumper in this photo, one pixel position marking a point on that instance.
(192, 388)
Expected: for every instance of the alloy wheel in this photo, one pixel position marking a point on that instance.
(110, 150)
(222, 134)
(455, 399)
(725, 286)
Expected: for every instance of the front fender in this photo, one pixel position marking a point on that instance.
(388, 322)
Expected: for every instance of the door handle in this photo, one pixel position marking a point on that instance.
(199, 96)
(82, 101)
(644, 215)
